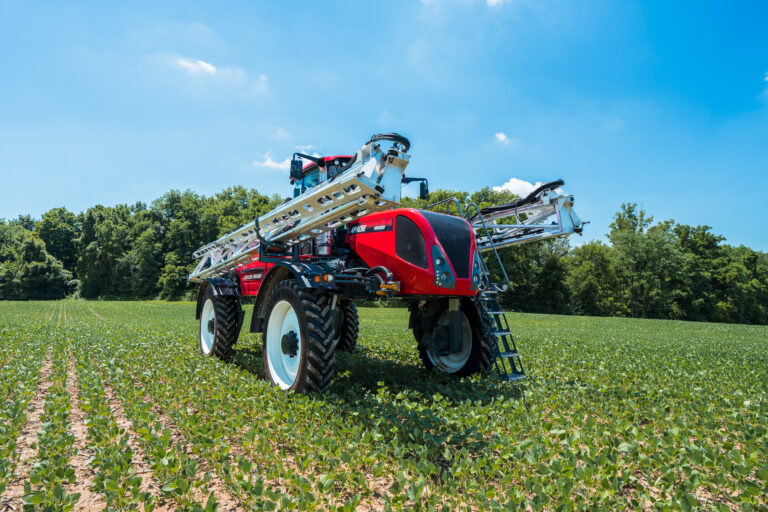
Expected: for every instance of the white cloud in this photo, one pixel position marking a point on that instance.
(494, 3)
(517, 186)
(766, 77)
(282, 134)
(505, 139)
(283, 165)
(196, 67)
(268, 163)
(207, 77)
(306, 148)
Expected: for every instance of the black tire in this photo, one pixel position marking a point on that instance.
(480, 356)
(226, 324)
(315, 316)
(349, 327)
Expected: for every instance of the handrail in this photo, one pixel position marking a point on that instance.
(493, 246)
(447, 206)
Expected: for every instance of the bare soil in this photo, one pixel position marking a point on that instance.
(26, 444)
(84, 475)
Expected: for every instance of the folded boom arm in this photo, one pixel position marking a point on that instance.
(544, 213)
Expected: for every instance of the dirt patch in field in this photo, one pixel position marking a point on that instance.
(26, 444)
(51, 311)
(226, 502)
(148, 481)
(94, 313)
(380, 486)
(83, 473)
(7, 360)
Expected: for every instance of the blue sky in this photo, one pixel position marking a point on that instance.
(659, 103)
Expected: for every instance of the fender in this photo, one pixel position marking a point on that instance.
(220, 286)
(303, 273)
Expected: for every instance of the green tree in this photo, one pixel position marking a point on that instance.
(104, 238)
(34, 274)
(592, 280)
(59, 230)
(648, 263)
(40, 275)
(173, 283)
(140, 267)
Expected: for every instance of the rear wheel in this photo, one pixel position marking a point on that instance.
(219, 324)
(299, 338)
(348, 327)
(474, 354)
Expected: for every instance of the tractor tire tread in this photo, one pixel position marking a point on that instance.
(227, 312)
(481, 357)
(350, 327)
(319, 316)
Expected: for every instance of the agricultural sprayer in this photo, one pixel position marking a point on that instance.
(343, 237)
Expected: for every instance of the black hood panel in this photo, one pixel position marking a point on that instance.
(455, 236)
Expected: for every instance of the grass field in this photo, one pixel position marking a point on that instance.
(110, 404)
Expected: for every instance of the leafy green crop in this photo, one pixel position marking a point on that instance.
(617, 414)
(46, 487)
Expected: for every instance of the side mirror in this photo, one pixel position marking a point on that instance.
(296, 167)
(423, 189)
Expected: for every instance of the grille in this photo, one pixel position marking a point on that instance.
(454, 235)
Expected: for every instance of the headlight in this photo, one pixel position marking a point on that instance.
(443, 274)
(476, 271)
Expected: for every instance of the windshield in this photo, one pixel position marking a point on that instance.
(310, 180)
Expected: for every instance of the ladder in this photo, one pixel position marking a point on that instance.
(545, 213)
(506, 359)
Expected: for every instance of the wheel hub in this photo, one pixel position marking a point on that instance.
(290, 344)
(210, 326)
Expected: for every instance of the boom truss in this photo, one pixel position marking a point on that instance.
(371, 183)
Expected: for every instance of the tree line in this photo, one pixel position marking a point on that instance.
(140, 251)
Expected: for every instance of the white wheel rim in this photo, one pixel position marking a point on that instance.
(282, 367)
(206, 335)
(451, 363)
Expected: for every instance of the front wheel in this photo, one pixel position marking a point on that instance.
(299, 338)
(431, 324)
(219, 324)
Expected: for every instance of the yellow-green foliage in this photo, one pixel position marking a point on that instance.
(622, 414)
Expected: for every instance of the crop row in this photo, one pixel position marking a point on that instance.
(226, 430)
(22, 354)
(51, 474)
(616, 419)
(618, 414)
(139, 390)
(111, 457)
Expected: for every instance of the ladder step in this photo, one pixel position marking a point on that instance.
(503, 346)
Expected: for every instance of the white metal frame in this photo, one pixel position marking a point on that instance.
(370, 185)
(551, 216)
